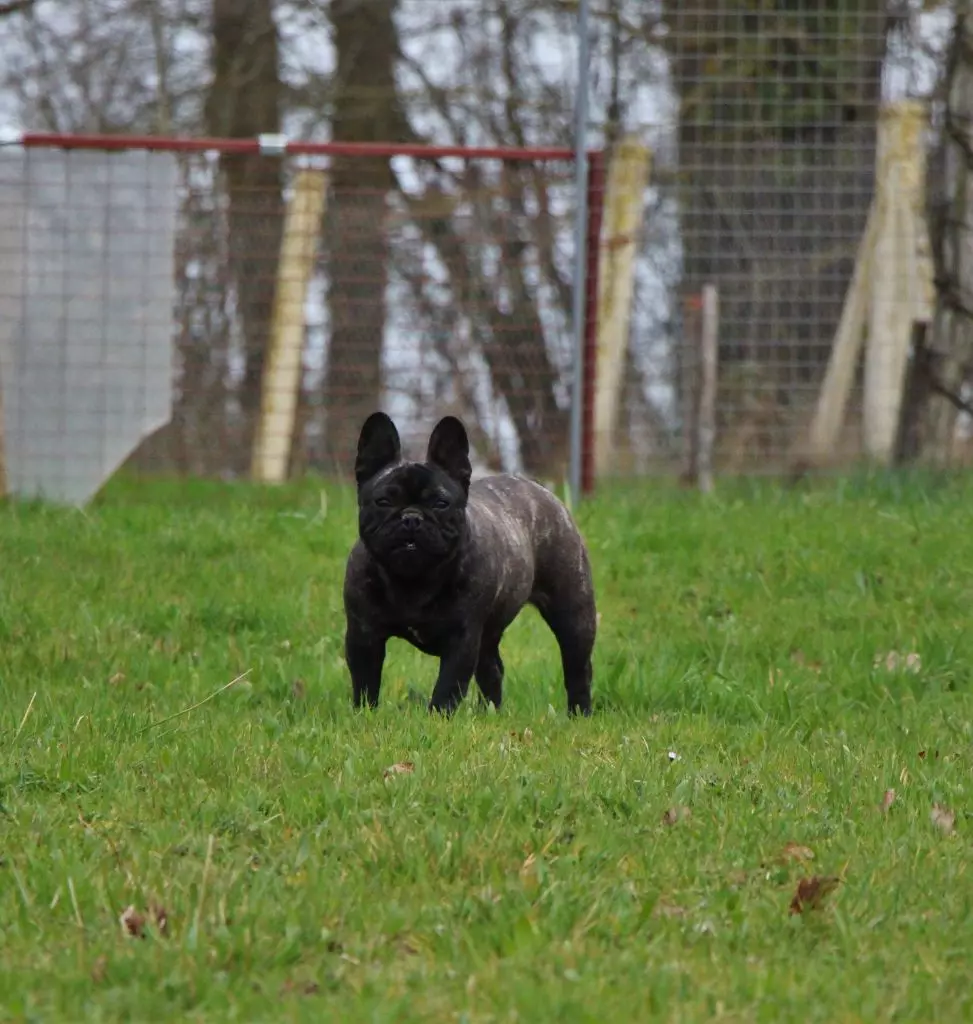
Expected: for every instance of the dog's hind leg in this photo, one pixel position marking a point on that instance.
(571, 618)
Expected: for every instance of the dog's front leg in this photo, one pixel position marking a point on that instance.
(456, 668)
(365, 655)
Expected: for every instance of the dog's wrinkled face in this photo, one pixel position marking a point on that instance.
(412, 515)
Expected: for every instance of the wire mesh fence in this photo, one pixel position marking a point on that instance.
(310, 286)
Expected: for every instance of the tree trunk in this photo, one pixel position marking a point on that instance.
(366, 109)
(243, 102)
(951, 231)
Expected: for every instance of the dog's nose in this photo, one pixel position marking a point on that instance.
(411, 519)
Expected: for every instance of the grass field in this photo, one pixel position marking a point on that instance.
(639, 865)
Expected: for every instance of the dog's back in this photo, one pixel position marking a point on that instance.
(520, 512)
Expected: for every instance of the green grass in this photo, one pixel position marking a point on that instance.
(523, 870)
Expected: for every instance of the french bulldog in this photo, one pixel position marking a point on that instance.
(447, 565)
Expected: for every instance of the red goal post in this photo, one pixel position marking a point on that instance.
(471, 265)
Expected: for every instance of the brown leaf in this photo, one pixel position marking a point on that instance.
(298, 689)
(888, 800)
(811, 891)
(132, 922)
(943, 818)
(675, 814)
(399, 768)
(799, 658)
(99, 969)
(666, 909)
(118, 677)
(794, 851)
(304, 988)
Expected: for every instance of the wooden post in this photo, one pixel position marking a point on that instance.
(708, 362)
(628, 176)
(849, 339)
(282, 374)
(689, 387)
(891, 288)
(901, 282)
(3, 447)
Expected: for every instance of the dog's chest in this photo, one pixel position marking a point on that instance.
(426, 637)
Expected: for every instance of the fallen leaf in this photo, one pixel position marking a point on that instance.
(304, 988)
(799, 658)
(399, 768)
(528, 864)
(943, 818)
(665, 909)
(922, 755)
(811, 891)
(132, 922)
(893, 661)
(794, 851)
(298, 689)
(99, 969)
(675, 814)
(118, 677)
(888, 800)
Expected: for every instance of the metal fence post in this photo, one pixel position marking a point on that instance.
(580, 252)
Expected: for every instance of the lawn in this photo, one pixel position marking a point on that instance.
(783, 691)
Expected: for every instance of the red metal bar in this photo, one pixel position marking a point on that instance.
(293, 148)
(596, 208)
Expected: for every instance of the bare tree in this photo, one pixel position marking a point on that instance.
(365, 109)
(244, 102)
(948, 360)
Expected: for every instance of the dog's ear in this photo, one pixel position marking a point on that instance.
(378, 446)
(449, 448)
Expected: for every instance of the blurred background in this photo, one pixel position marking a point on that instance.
(774, 234)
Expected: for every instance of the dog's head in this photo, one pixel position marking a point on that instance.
(412, 515)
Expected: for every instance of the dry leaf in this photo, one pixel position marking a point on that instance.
(811, 891)
(893, 661)
(799, 658)
(666, 909)
(304, 988)
(888, 800)
(118, 677)
(794, 851)
(943, 818)
(528, 864)
(400, 768)
(132, 922)
(99, 969)
(298, 689)
(675, 814)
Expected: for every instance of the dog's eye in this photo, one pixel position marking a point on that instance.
(440, 504)
(383, 502)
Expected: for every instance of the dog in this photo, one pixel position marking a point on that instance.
(447, 565)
